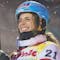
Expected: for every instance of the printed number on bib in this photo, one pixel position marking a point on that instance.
(50, 53)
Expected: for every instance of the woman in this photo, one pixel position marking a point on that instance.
(33, 42)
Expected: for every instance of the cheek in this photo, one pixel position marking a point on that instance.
(31, 25)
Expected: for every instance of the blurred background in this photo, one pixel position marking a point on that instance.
(8, 27)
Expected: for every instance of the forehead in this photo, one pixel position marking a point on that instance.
(26, 15)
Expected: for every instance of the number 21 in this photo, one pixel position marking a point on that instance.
(49, 54)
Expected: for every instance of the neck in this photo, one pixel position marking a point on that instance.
(30, 34)
(32, 41)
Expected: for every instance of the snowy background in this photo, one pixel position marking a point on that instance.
(8, 27)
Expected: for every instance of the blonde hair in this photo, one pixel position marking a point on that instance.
(51, 37)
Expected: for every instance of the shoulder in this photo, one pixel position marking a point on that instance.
(51, 45)
(48, 45)
(51, 51)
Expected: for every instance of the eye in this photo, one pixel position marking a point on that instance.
(27, 18)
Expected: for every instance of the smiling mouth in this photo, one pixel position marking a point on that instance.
(24, 29)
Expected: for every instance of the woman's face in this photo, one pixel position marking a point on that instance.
(26, 22)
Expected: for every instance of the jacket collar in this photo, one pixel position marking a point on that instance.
(32, 41)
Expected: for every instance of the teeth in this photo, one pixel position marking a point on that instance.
(24, 28)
